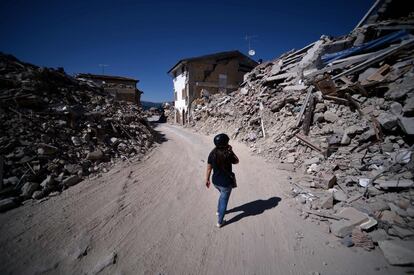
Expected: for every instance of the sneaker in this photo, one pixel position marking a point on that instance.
(219, 225)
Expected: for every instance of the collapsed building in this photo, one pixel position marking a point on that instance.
(119, 87)
(341, 111)
(205, 75)
(57, 130)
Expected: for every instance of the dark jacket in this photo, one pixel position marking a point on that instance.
(222, 177)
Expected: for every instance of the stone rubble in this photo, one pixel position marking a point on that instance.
(351, 121)
(56, 131)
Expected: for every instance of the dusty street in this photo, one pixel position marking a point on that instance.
(157, 217)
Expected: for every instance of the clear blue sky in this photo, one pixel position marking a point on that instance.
(144, 39)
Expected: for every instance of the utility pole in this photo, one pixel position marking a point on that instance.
(103, 67)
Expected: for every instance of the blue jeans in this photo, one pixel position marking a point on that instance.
(222, 202)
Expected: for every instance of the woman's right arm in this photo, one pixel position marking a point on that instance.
(208, 172)
(235, 159)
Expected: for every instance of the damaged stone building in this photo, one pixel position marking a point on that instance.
(204, 75)
(121, 88)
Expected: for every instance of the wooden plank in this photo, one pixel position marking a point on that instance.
(279, 77)
(361, 89)
(292, 60)
(31, 169)
(21, 182)
(346, 80)
(307, 47)
(326, 85)
(325, 215)
(289, 66)
(377, 128)
(261, 119)
(380, 74)
(263, 129)
(125, 131)
(355, 198)
(303, 107)
(337, 99)
(309, 144)
(308, 116)
(291, 135)
(353, 87)
(362, 147)
(354, 103)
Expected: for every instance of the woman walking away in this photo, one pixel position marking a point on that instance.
(220, 160)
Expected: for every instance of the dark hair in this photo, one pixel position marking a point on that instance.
(222, 156)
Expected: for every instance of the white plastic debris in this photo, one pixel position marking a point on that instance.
(363, 182)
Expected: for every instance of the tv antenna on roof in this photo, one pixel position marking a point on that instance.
(249, 40)
(103, 67)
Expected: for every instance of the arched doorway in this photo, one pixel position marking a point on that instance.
(183, 117)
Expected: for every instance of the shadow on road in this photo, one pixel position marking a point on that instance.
(159, 137)
(253, 208)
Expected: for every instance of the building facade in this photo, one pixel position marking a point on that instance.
(209, 74)
(121, 88)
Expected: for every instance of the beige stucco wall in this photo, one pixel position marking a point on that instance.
(229, 67)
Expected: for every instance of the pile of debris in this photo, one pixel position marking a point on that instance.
(56, 130)
(342, 111)
(169, 112)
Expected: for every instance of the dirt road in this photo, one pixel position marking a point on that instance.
(157, 217)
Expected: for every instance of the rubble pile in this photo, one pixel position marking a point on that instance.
(169, 112)
(342, 111)
(56, 130)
